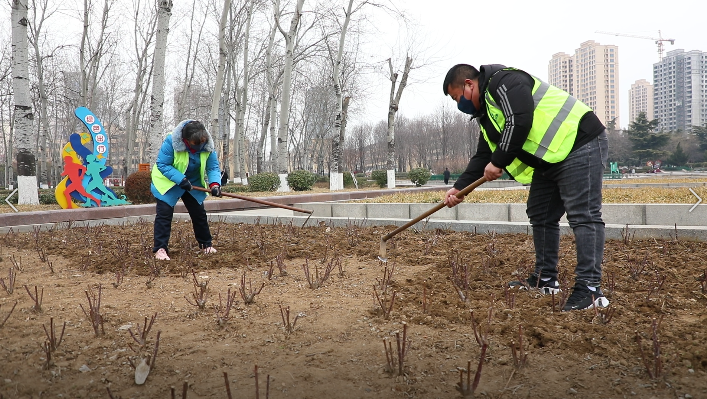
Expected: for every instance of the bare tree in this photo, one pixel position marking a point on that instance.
(92, 55)
(40, 14)
(23, 115)
(182, 108)
(6, 111)
(290, 41)
(243, 100)
(220, 73)
(393, 104)
(145, 32)
(336, 181)
(164, 12)
(269, 109)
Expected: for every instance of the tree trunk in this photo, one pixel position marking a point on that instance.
(218, 86)
(283, 130)
(234, 160)
(240, 124)
(393, 104)
(23, 116)
(270, 101)
(338, 142)
(157, 99)
(273, 138)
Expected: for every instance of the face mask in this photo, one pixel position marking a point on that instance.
(466, 106)
(195, 148)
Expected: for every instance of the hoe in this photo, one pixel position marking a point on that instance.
(383, 255)
(259, 201)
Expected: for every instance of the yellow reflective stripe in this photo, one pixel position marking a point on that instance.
(489, 99)
(539, 93)
(521, 172)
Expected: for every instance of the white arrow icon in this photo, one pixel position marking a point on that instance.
(698, 199)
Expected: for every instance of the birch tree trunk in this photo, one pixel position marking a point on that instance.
(270, 103)
(393, 104)
(164, 12)
(273, 138)
(336, 181)
(283, 129)
(218, 87)
(23, 116)
(234, 159)
(240, 123)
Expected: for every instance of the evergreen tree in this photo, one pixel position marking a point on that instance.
(678, 157)
(646, 142)
(701, 133)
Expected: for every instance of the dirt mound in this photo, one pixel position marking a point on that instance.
(439, 280)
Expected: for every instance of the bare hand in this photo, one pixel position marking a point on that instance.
(492, 173)
(450, 198)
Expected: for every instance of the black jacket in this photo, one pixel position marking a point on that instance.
(513, 91)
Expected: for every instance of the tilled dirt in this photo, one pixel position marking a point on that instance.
(336, 348)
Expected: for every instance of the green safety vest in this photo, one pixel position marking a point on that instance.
(556, 117)
(181, 161)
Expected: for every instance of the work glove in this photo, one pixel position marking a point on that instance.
(185, 184)
(216, 190)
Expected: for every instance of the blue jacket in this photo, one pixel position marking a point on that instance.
(165, 159)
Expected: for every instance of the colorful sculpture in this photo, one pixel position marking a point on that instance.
(84, 169)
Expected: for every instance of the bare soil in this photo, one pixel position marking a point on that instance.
(336, 349)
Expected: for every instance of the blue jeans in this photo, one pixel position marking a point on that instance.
(572, 186)
(163, 222)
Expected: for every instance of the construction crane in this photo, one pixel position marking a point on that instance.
(658, 40)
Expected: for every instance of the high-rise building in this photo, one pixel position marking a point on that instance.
(596, 79)
(640, 99)
(592, 76)
(559, 72)
(680, 90)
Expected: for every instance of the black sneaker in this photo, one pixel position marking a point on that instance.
(532, 283)
(583, 298)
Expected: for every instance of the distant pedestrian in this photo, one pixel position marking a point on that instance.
(224, 178)
(446, 176)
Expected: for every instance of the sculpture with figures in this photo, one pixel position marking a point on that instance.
(85, 169)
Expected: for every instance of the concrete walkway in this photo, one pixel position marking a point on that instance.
(634, 220)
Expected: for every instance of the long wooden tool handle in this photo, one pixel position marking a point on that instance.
(259, 201)
(437, 207)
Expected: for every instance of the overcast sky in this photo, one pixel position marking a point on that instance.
(525, 34)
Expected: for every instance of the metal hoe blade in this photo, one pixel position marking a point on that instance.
(383, 255)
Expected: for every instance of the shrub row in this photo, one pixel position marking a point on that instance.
(419, 176)
(137, 185)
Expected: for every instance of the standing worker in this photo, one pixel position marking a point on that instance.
(544, 137)
(186, 156)
(446, 176)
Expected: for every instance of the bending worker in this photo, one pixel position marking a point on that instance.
(186, 156)
(544, 137)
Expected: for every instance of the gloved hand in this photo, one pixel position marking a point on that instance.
(216, 190)
(185, 184)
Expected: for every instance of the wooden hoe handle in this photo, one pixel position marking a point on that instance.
(437, 207)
